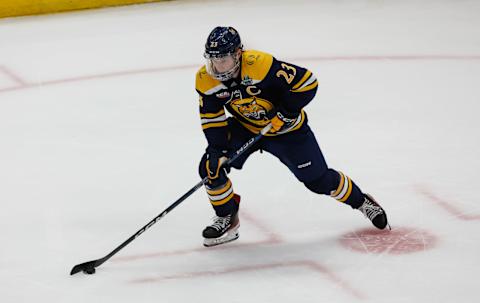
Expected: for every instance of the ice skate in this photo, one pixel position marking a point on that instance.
(223, 230)
(374, 212)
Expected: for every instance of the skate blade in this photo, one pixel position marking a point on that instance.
(229, 236)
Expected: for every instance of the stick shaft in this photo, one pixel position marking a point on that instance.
(237, 154)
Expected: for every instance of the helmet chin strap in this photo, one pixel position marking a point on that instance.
(238, 61)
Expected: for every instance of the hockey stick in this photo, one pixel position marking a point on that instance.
(89, 267)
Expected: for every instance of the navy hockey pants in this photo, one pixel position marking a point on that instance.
(300, 152)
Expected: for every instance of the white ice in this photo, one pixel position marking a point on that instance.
(99, 132)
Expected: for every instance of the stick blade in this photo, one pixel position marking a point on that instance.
(87, 266)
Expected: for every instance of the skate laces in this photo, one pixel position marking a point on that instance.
(370, 209)
(220, 223)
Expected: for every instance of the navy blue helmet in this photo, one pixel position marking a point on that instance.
(223, 61)
(222, 41)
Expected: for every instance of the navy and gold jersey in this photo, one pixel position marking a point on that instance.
(265, 85)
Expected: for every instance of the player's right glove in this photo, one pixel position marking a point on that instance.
(282, 121)
(215, 159)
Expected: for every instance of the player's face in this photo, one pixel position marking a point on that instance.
(224, 68)
(223, 64)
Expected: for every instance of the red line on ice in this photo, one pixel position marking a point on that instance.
(449, 207)
(271, 238)
(14, 77)
(312, 265)
(25, 85)
(394, 58)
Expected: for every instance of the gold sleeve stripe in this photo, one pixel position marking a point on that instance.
(217, 124)
(212, 115)
(302, 119)
(306, 88)
(340, 186)
(304, 78)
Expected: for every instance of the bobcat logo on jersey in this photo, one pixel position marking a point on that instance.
(254, 109)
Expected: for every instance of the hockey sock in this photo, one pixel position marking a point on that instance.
(347, 192)
(221, 198)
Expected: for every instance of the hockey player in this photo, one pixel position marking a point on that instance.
(257, 89)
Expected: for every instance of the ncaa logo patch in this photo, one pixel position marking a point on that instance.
(223, 95)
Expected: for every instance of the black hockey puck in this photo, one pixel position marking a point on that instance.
(89, 271)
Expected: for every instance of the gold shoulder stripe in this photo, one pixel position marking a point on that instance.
(204, 83)
(213, 115)
(304, 78)
(216, 124)
(306, 88)
(256, 64)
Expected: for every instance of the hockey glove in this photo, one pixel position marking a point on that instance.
(215, 159)
(282, 122)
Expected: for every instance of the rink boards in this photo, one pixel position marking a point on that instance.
(12, 8)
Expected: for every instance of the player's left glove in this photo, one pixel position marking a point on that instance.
(283, 121)
(215, 159)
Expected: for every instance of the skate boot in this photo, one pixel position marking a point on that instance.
(223, 229)
(374, 212)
